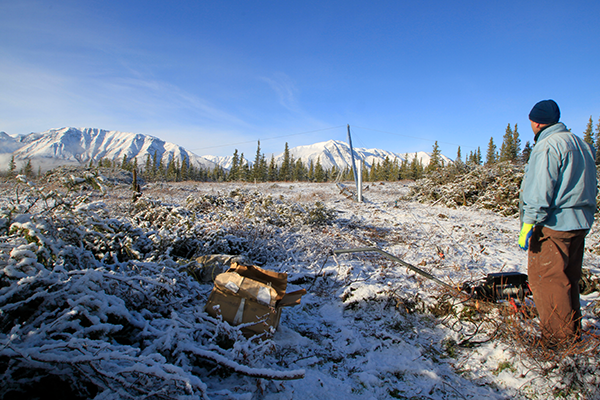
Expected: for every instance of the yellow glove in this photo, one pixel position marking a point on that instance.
(525, 235)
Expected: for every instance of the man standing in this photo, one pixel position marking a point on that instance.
(558, 202)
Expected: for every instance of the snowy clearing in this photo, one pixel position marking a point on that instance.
(94, 292)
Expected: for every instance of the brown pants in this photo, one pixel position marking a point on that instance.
(554, 269)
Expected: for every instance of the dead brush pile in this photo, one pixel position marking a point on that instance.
(566, 370)
(493, 188)
(570, 366)
(94, 301)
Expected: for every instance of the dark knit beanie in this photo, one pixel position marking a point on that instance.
(545, 112)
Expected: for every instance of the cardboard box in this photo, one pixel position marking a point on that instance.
(206, 268)
(252, 297)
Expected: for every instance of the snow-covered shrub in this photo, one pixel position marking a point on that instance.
(206, 203)
(95, 303)
(89, 178)
(493, 187)
(318, 214)
(259, 208)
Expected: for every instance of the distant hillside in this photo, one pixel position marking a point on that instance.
(334, 153)
(79, 146)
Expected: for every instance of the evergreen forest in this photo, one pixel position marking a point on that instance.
(154, 169)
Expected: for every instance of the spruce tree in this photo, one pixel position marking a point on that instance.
(507, 148)
(201, 175)
(235, 165)
(216, 175)
(458, 165)
(272, 170)
(292, 167)
(259, 171)
(286, 167)
(471, 158)
(396, 169)
(386, 169)
(243, 172)
(243, 169)
(171, 173)
(147, 166)
(192, 174)
(416, 168)
(588, 134)
(28, 169)
(516, 145)
(184, 174)
(404, 168)
(263, 168)
(435, 162)
(598, 142)
(491, 153)
(299, 172)
(12, 166)
(526, 152)
(125, 164)
(319, 172)
(333, 173)
(161, 171)
(154, 164)
(373, 172)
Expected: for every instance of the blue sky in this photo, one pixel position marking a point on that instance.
(215, 76)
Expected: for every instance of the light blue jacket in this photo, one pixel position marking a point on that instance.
(559, 187)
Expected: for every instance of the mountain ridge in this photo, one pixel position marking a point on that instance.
(80, 146)
(334, 153)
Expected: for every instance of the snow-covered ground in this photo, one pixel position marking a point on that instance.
(368, 328)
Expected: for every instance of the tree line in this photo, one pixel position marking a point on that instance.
(291, 170)
(261, 170)
(510, 149)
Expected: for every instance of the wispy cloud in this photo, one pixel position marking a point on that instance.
(63, 66)
(285, 89)
(39, 97)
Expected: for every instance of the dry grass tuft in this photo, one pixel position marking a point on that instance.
(566, 368)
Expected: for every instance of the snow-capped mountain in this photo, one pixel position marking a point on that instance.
(9, 144)
(335, 153)
(225, 162)
(79, 146)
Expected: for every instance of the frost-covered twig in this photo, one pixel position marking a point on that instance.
(242, 369)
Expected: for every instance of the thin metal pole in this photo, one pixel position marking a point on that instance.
(352, 155)
(359, 182)
(393, 258)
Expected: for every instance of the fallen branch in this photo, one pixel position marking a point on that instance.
(264, 373)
